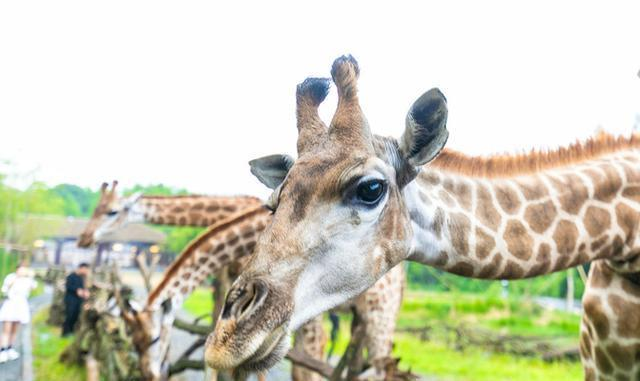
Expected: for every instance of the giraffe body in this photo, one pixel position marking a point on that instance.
(610, 329)
(353, 205)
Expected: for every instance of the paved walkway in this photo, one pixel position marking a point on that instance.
(21, 369)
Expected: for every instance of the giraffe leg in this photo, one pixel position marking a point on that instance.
(312, 339)
(610, 330)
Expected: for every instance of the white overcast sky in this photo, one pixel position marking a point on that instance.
(185, 93)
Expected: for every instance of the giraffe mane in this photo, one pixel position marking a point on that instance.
(187, 254)
(503, 165)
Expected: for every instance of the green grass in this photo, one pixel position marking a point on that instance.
(512, 316)
(47, 346)
(434, 358)
(199, 303)
(488, 311)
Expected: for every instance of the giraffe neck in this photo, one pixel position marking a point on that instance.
(527, 225)
(191, 210)
(221, 244)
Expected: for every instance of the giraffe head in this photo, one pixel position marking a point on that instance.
(111, 213)
(150, 328)
(339, 223)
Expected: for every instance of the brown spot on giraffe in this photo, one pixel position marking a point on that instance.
(572, 193)
(597, 315)
(232, 238)
(544, 253)
(489, 271)
(632, 288)
(230, 208)
(459, 230)
(429, 178)
(512, 271)
(462, 268)
(598, 243)
(446, 198)
(507, 198)
(519, 242)
(585, 345)
(438, 223)
(247, 231)
(596, 220)
(632, 192)
(602, 361)
(631, 174)
(601, 278)
(627, 218)
(484, 244)
(607, 188)
(622, 356)
(543, 262)
(532, 191)
(485, 210)
(565, 236)
(539, 216)
(460, 190)
(628, 324)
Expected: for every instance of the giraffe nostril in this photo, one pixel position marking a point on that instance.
(243, 298)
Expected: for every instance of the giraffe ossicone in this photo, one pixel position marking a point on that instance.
(353, 205)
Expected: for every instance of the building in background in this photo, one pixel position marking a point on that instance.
(56, 238)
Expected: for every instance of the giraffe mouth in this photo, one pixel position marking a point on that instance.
(273, 349)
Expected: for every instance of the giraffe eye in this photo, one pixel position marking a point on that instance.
(370, 192)
(112, 213)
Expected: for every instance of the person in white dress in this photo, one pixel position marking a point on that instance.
(15, 309)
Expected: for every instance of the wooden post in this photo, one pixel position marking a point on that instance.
(570, 289)
(58, 254)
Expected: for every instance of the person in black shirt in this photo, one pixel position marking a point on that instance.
(74, 295)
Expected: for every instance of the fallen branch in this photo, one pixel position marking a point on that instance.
(304, 360)
(185, 364)
(196, 329)
(572, 354)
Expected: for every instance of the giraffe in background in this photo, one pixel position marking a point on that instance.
(354, 205)
(113, 212)
(225, 245)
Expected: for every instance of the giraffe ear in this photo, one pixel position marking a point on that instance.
(271, 170)
(426, 129)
